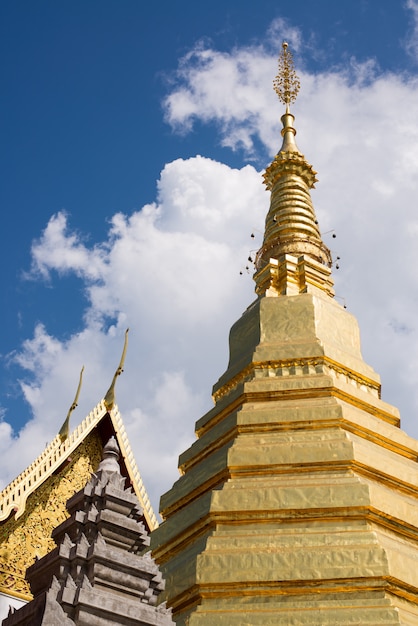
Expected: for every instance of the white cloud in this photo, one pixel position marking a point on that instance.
(64, 252)
(411, 42)
(171, 271)
(40, 353)
(229, 88)
(5, 436)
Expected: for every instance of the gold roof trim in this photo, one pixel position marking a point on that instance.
(131, 466)
(296, 367)
(14, 496)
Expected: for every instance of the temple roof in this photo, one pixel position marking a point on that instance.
(13, 497)
(101, 570)
(34, 502)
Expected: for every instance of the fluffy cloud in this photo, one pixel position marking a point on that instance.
(171, 271)
(64, 252)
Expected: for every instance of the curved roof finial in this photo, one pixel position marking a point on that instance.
(109, 398)
(286, 84)
(64, 430)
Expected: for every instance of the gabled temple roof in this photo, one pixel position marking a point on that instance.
(14, 496)
(101, 570)
(34, 502)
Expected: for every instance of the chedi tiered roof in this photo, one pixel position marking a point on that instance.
(101, 571)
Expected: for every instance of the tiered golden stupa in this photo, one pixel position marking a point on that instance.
(298, 503)
(34, 504)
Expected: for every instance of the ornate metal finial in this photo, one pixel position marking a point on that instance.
(286, 84)
(109, 398)
(64, 430)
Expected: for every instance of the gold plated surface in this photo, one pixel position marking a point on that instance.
(300, 486)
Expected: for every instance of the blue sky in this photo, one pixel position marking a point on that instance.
(111, 220)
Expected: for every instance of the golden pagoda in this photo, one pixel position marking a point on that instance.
(34, 504)
(298, 502)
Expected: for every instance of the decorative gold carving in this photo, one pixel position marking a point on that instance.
(286, 84)
(14, 496)
(297, 367)
(289, 275)
(29, 537)
(291, 165)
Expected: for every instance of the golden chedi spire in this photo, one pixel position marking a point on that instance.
(293, 258)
